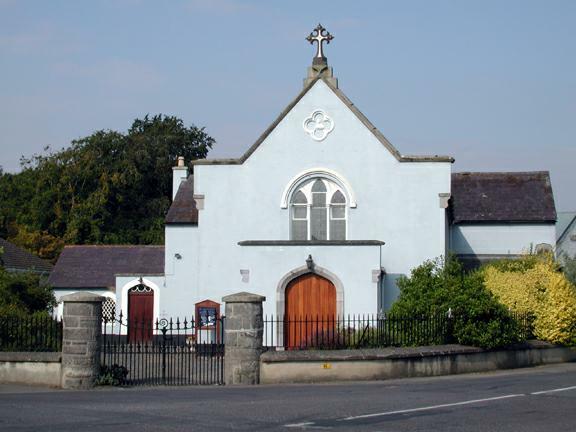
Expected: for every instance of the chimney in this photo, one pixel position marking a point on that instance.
(179, 174)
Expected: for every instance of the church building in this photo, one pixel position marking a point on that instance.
(322, 215)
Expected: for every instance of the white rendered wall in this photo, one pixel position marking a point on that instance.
(59, 293)
(567, 245)
(125, 282)
(397, 203)
(500, 239)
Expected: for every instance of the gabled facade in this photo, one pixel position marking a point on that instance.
(322, 215)
(256, 223)
(566, 235)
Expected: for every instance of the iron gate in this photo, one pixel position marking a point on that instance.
(164, 352)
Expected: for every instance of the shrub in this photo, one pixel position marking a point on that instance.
(24, 331)
(438, 286)
(114, 375)
(539, 289)
(25, 291)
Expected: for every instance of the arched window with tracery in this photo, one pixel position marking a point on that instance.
(318, 211)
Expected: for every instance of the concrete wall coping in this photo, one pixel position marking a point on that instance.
(35, 357)
(82, 297)
(243, 297)
(389, 353)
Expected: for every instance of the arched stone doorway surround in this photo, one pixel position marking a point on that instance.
(293, 274)
(139, 281)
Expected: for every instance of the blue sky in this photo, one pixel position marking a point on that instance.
(492, 83)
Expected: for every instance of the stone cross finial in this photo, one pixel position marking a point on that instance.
(319, 35)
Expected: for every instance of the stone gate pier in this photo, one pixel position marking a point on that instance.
(81, 340)
(243, 331)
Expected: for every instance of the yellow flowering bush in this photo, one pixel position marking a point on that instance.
(533, 284)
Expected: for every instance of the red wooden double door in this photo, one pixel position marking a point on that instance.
(310, 311)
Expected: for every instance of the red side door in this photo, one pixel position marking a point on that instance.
(140, 316)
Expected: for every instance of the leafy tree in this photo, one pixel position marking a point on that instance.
(439, 286)
(109, 187)
(24, 293)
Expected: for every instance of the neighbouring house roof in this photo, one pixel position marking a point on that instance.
(17, 259)
(502, 197)
(97, 266)
(183, 209)
(379, 136)
(565, 220)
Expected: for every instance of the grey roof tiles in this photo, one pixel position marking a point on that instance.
(97, 266)
(502, 197)
(16, 258)
(183, 209)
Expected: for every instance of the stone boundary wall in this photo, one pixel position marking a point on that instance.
(282, 367)
(34, 368)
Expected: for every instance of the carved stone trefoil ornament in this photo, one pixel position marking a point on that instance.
(318, 125)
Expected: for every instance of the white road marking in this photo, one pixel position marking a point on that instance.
(432, 407)
(311, 425)
(299, 425)
(554, 390)
(306, 425)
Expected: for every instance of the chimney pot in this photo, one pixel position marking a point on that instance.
(180, 161)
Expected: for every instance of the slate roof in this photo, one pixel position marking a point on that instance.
(97, 266)
(16, 258)
(502, 197)
(183, 209)
(565, 219)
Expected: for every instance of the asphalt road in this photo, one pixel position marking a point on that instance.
(537, 399)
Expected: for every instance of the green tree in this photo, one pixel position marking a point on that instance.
(109, 187)
(24, 293)
(439, 286)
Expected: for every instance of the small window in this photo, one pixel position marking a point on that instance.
(313, 217)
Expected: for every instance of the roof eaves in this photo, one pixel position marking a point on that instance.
(380, 136)
(501, 221)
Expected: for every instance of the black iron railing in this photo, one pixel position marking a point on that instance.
(525, 321)
(368, 331)
(30, 334)
(164, 351)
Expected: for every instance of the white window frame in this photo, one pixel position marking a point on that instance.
(306, 188)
